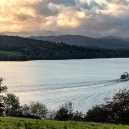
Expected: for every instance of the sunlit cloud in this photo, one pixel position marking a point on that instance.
(103, 16)
(69, 21)
(81, 14)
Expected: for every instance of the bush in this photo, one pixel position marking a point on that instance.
(12, 105)
(114, 111)
(78, 116)
(34, 110)
(65, 112)
(38, 110)
(2, 104)
(96, 114)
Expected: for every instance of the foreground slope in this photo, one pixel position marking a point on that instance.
(22, 123)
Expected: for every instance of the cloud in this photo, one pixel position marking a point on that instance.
(107, 24)
(104, 16)
(45, 9)
(93, 5)
(119, 2)
(63, 2)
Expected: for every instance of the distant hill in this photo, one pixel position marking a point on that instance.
(106, 42)
(19, 48)
(30, 33)
(54, 33)
(119, 38)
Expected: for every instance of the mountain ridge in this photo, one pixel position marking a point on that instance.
(52, 33)
(112, 43)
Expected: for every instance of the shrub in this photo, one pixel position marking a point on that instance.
(38, 110)
(2, 104)
(12, 105)
(115, 110)
(65, 112)
(96, 114)
(78, 116)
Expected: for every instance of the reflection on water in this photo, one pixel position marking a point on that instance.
(83, 82)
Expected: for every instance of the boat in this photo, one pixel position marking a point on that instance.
(124, 76)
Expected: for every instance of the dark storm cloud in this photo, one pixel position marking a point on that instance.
(106, 23)
(43, 9)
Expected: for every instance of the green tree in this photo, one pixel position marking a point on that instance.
(38, 109)
(96, 114)
(78, 116)
(2, 105)
(115, 110)
(12, 104)
(65, 112)
(26, 110)
(118, 107)
(2, 88)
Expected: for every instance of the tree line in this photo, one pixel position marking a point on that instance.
(19, 48)
(115, 110)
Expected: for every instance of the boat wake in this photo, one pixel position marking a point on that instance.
(85, 86)
(82, 93)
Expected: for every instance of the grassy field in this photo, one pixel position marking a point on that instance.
(22, 123)
(11, 53)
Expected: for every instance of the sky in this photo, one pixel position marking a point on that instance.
(107, 17)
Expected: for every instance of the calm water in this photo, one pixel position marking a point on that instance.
(83, 82)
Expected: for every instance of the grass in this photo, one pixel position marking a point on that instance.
(23, 123)
(10, 53)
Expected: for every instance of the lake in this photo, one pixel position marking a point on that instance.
(53, 82)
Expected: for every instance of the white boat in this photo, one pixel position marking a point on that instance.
(124, 76)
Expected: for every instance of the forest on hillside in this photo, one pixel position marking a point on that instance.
(108, 42)
(14, 48)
